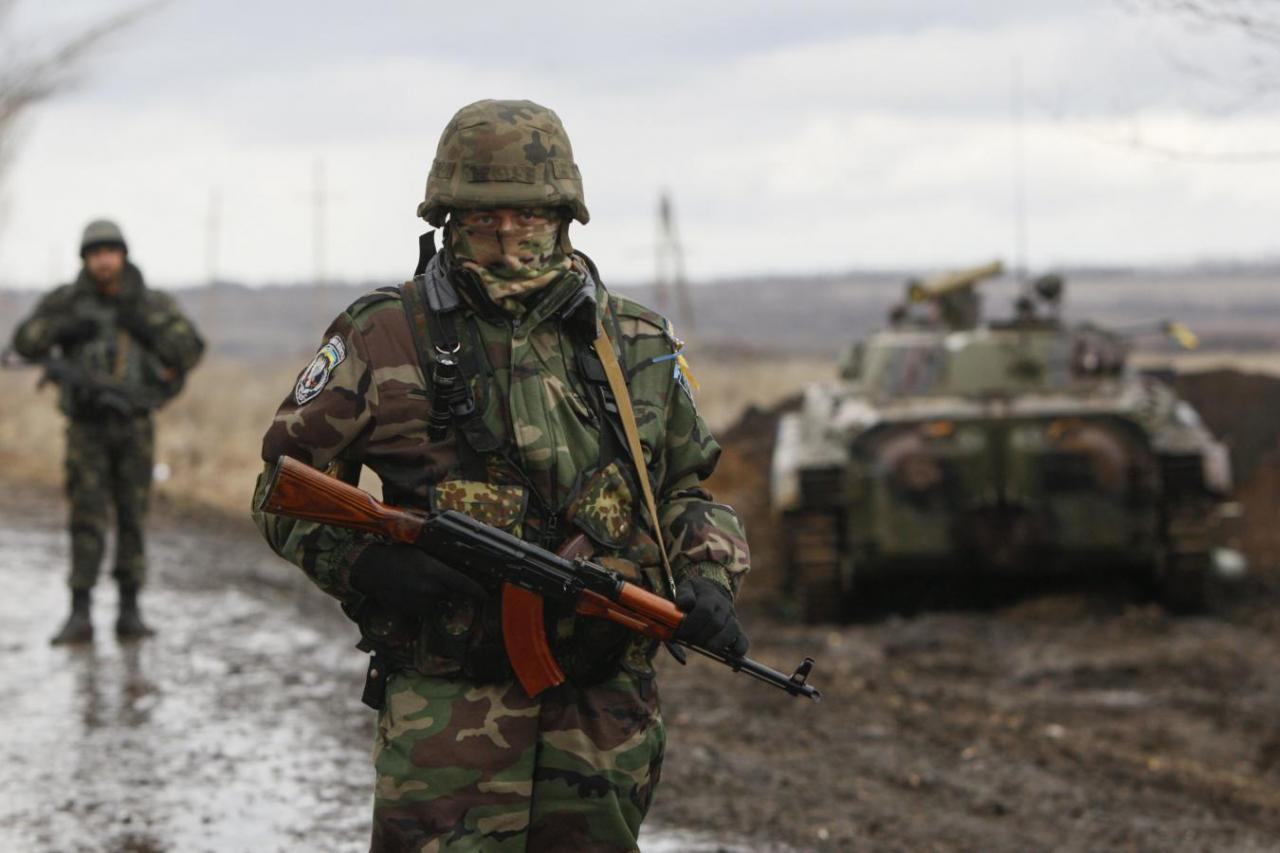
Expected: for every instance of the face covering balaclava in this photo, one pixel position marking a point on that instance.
(510, 263)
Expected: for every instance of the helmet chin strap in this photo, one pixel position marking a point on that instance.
(565, 220)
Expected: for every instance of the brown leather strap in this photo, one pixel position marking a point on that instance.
(618, 385)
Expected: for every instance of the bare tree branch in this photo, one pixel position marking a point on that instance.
(26, 80)
(1257, 22)
(1256, 19)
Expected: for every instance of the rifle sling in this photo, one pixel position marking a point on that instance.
(618, 384)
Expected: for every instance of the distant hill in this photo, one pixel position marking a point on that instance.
(1236, 308)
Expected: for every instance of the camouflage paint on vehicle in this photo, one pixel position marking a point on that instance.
(951, 444)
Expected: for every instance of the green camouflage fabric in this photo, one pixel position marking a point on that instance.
(108, 466)
(496, 505)
(149, 374)
(464, 767)
(469, 766)
(109, 454)
(503, 154)
(606, 507)
(374, 405)
(510, 263)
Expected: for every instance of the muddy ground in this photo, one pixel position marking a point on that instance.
(239, 727)
(1071, 718)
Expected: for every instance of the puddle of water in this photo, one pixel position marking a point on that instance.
(678, 841)
(219, 734)
(238, 727)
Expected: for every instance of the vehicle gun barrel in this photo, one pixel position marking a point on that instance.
(950, 282)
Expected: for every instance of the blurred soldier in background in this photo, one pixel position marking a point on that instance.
(117, 351)
(480, 386)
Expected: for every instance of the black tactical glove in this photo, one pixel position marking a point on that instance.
(405, 579)
(74, 330)
(709, 619)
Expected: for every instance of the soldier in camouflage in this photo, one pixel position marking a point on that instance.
(118, 351)
(465, 760)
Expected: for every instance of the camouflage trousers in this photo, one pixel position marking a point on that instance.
(465, 767)
(108, 467)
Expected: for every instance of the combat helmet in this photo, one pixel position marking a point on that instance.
(503, 154)
(102, 232)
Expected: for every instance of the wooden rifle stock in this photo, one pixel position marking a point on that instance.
(300, 491)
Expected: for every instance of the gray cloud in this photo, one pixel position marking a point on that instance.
(811, 135)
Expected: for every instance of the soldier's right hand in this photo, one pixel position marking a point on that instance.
(405, 579)
(73, 330)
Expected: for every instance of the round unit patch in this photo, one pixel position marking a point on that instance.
(316, 376)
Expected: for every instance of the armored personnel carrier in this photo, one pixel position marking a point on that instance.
(953, 444)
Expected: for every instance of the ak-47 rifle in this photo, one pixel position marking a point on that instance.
(527, 573)
(80, 382)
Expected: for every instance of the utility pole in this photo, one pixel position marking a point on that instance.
(669, 267)
(212, 247)
(1020, 259)
(319, 200)
(319, 211)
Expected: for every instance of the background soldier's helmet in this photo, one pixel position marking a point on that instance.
(503, 154)
(101, 232)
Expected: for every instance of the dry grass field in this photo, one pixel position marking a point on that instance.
(209, 438)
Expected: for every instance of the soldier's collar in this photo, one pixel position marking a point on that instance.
(448, 284)
(580, 310)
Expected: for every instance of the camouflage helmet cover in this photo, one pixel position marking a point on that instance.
(101, 232)
(503, 154)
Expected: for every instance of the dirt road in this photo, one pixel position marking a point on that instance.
(237, 728)
(1078, 720)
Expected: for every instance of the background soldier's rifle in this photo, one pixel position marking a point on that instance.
(84, 387)
(526, 572)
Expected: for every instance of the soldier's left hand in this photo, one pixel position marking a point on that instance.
(710, 621)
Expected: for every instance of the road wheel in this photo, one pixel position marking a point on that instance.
(813, 555)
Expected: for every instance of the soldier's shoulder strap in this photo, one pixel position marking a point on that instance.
(430, 300)
(618, 385)
(431, 304)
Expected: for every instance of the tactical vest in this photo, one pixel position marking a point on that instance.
(456, 371)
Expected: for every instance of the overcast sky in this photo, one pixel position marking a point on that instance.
(798, 136)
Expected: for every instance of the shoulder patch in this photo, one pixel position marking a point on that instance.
(317, 373)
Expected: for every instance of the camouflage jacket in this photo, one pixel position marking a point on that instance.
(541, 458)
(147, 373)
